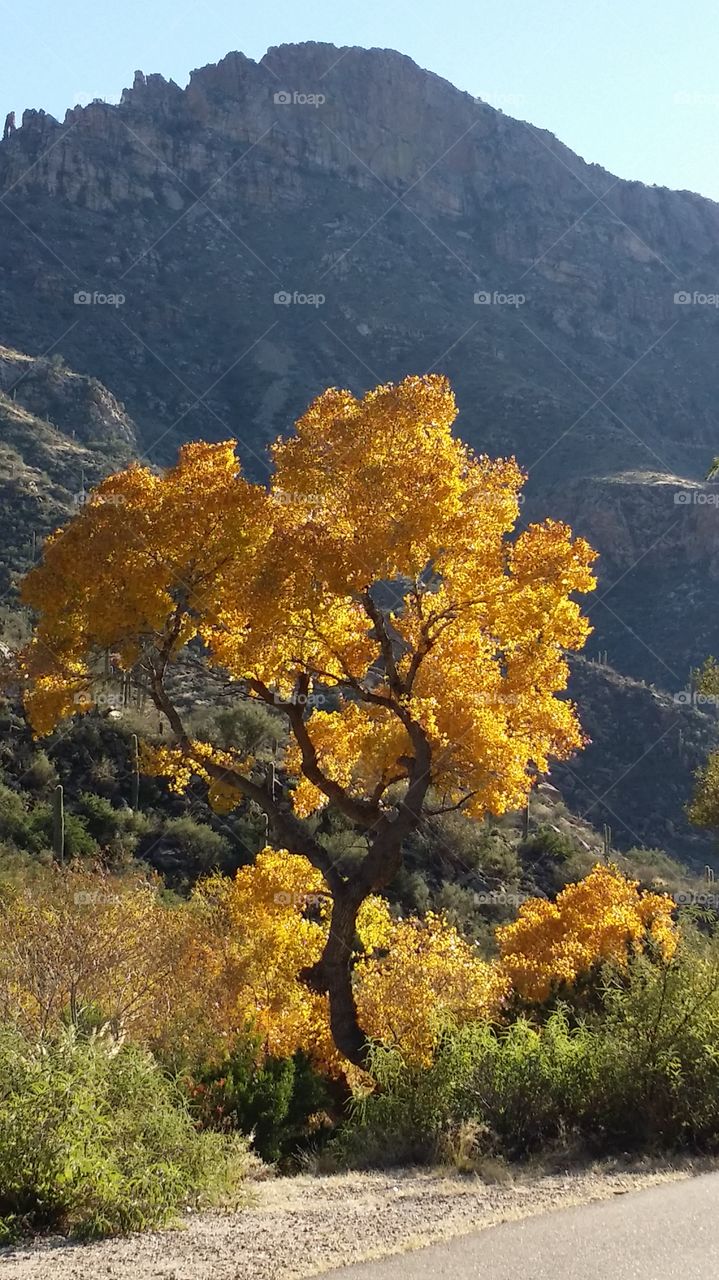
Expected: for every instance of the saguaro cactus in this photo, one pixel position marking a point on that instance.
(135, 762)
(58, 823)
(525, 819)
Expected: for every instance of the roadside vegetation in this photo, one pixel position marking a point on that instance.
(278, 877)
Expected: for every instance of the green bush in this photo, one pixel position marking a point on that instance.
(96, 1139)
(640, 1072)
(274, 1101)
(78, 841)
(41, 774)
(185, 850)
(657, 1071)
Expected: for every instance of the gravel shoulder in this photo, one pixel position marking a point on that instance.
(296, 1227)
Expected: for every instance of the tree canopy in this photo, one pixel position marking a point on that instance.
(375, 591)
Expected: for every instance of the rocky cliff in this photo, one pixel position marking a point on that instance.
(59, 433)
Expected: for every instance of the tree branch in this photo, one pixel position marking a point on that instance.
(362, 812)
(288, 830)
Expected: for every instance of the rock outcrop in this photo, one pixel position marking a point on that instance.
(59, 433)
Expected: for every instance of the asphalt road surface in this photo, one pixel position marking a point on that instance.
(668, 1232)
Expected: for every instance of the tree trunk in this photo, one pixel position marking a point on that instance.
(332, 976)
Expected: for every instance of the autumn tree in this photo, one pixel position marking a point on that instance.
(603, 918)
(414, 978)
(375, 593)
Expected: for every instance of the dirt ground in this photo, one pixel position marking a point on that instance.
(294, 1227)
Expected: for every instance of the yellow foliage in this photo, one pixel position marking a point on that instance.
(173, 763)
(275, 581)
(275, 917)
(603, 917)
(704, 807)
(189, 977)
(272, 921)
(431, 978)
(193, 975)
(453, 686)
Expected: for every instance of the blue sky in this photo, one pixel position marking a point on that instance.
(630, 84)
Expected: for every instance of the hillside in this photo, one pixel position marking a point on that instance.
(637, 770)
(59, 432)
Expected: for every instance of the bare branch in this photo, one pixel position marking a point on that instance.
(288, 830)
(362, 812)
(449, 808)
(386, 643)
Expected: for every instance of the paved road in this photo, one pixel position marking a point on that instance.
(668, 1232)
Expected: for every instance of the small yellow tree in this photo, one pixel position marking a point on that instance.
(372, 593)
(424, 978)
(603, 917)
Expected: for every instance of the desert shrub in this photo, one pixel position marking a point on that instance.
(552, 858)
(249, 726)
(95, 1141)
(401, 1120)
(74, 938)
(657, 1056)
(109, 825)
(640, 1073)
(14, 818)
(78, 841)
(279, 1102)
(31, 828)
(548, 843)
(41, 773)
(453, 865)
(185, 850)
(104, 774)
(101, 819)
(517, 1085)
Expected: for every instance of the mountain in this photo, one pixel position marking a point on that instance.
(382, 200)
(59, 433)
(217, 255)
